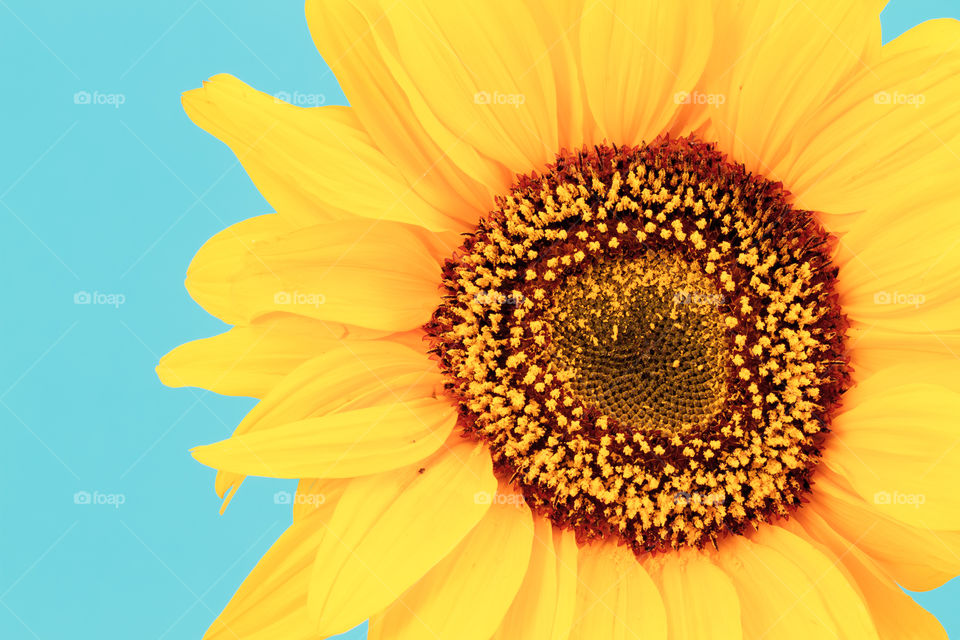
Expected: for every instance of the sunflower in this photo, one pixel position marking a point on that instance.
(595, 319)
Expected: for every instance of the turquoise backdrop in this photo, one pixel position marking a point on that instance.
(108, 528)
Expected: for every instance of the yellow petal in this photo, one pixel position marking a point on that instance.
(355, 376)
(467, 594)
(790, 590)
(218, 258)
(356, 40)
(916, 557)
(700, 600)
(887, 140)
(504, 106)
(774, 64)
(559, 24)
(899, 272)
(898, 444)
(378, 275)
(250, 360)
(568, 577)
(616, 599)
(895, 614)
(339, 445)
(389, 530)
(317, 495)
(873, 349)
(311, 164)
(272, 602)
(640, 62)
(543, 606)
(352, 376)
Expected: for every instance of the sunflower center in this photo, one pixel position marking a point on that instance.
(648, 341)
(643, 340)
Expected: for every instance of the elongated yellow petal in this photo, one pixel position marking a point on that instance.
(648, 55)
(312, 164)
(467, 594)
(896, 444)
(217, 261)
(700, 599)
(774, 65)
(378, 275)
(272, 602)
(250, 360)
(568, 577)
(790, 590)
(895, 614)
(389, 530)
(317, 495)
(357, 42)
(543, 606)
(339, 445)
(886, 140)
(353, 376)
(504, 106)
(900, 275)
(559, 24)
(873, 349)
(616, 599)
(917, 557)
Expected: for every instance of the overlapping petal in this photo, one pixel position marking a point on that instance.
(466, 595)
(379, 275)
(313, 164)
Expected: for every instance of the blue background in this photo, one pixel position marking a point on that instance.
(116, 201)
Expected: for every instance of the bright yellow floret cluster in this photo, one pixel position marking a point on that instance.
(649, 342)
